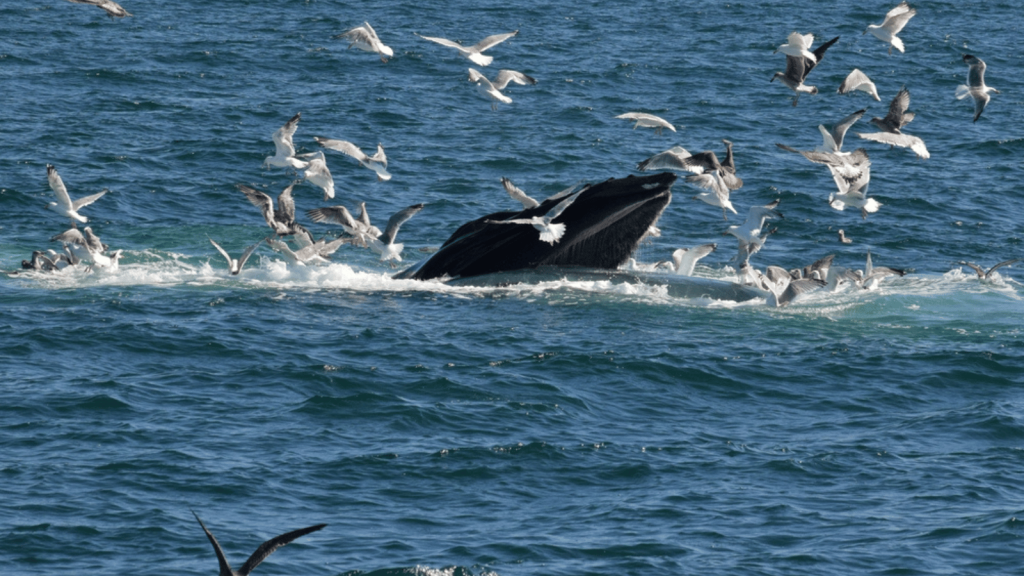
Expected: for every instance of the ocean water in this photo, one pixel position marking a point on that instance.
(564, 427)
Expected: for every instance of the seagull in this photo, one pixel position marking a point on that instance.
(316, 253)
(284, 153)
(685, 259)
(319, 175)
(798, 45)
(858, 80)
(550, 232)
(385, 245)
(280, 220)
(893, 123)
(364, 219)
(851, 171)
(844, 238)
(92, 250)
(671, 159)
(647, 121)
(365, 38)
(797, 69)
(518, 195)
(718, 194)
(872, 275)
(975, 87)
(340, 215)
(749, 234)
(113, 9)
(493, 90)
(894, 21)
(832, 140)
(378, 162)
(64, 206)
(261, 553)
(48, 261)
(475, 52)
(235, 266)
(982, 274)
(794, 288)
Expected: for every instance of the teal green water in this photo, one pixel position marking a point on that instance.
(569, 427)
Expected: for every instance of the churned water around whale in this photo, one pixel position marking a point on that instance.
(568, 426)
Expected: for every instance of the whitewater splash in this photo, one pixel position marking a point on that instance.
(640, 285)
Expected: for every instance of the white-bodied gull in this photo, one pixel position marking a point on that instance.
(64, 205)
(385, 245)
(750, 235)
(975, 87)
(858, 80)
(644, 120)
(475, 52)
(550, 231)
(284, 147)
(317, 174)
(365, 38)
(378, 162)
(684, 260)
(492, 90)
(113, 9)
(235, 266)
(894, 21)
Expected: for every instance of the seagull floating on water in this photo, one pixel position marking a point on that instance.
(891, 126)
(493, 90)
(844, 238)
(550, 231)
(644, 120)
(94, 251)
(64, 206)
(113, 9)
(261, 553)
(365, 38)
(797, 69)
(894, 21)
(378, 162)
(284, 153)
(858, 80)
(474, 52)
(235, 266)
(975, 87)
(518, 195)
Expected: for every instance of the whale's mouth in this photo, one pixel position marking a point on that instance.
(603, 227)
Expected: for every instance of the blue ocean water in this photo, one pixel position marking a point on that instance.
(566, 427)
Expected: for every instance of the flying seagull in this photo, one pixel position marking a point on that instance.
(385, 245)
(643, 120)
(94, 251)
(261, 553)
(518, 195)
(982, 274)
(284, 153)
(850, 170)
(64, 206)
(378, 162)
(749, 234)
(858, 80)
(318, 252)
(685, 259)
(891, 126)
(282, 219)
(365, 38)
(894, 21)
(113, 9)
(975, 87)
(319, 175)
(550, 231)
(235, 266)
(492, 90)
(474, 52)
(832, 140)
(797, 69)
(362, 231)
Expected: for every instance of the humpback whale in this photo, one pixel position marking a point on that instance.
(603, 227)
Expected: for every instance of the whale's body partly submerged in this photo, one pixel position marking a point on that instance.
(603, 227)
